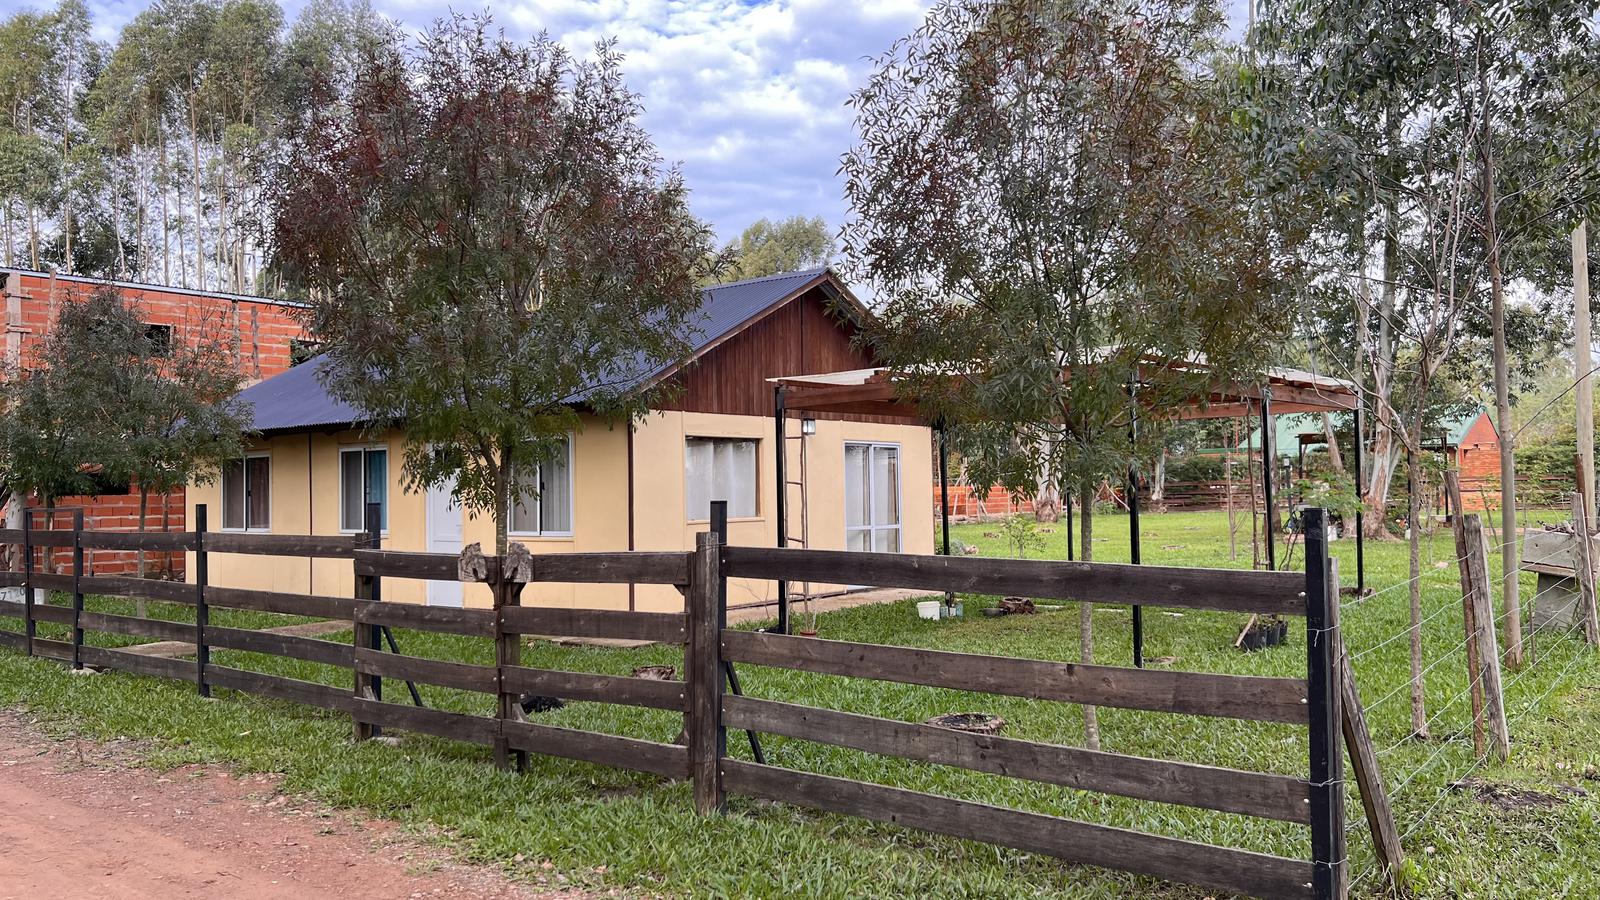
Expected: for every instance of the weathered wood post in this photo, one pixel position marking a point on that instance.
(510, 573)
(202, 612)
(1323, 700)
(77, 588)
(29, 626)
(1488, 674)
(1583, 567)
(1452, 486)
(365, 635)
(707, 738)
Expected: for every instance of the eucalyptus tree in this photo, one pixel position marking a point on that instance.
(767, 247)
(488, 238)
(1045, 197)
(30, 108)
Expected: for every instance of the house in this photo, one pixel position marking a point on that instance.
(267, 339)
(641, 487)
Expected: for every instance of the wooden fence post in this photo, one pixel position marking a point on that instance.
(364, 635)
(510, 572)
(29, 627)
(202, 612)
(1488, 674)
(1452, 486)
(1583, 565)
(1323, 701)
(707, 738)
(77, 589)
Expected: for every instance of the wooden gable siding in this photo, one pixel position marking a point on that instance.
(802, 337)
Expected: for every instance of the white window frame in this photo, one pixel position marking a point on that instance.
(735, 438)
(245, 474)
(362, 449)
(899, 497)
(572, 503)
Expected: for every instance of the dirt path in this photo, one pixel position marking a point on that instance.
(76, 821)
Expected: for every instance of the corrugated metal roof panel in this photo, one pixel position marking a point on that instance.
(297, 399)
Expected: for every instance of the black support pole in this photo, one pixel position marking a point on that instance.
(1066, 503)
(1322, 700)
(374, 520)
(781, 448)
(202, 612)
(77, 588)
(719, 527)
(1361, 561)
(944, 502)
(30, 627)
(1133, 520)
(1268, 463)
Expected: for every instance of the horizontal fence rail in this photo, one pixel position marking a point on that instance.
(1227, 590)
(374, 660)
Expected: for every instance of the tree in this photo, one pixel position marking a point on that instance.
(488, 238)
(768, 249)
(1045, 197)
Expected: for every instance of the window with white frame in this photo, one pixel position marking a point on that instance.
(546, 504)
(720, 469)
(872, 497)
(247, 493)
(363, 479)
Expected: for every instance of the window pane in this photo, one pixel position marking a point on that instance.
(525, 512)
(233, 494)
(742, 490)
(886, 540)
(885, 486)
(858, 539)
(555, 497)
(258, 491)
(856, 509)
(350, 490)
(377, 487)
(697, 478)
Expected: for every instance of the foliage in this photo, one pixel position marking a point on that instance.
(1022, 535)
(1333, 492)
(1044, 196)
(489, 238)
(768, 248)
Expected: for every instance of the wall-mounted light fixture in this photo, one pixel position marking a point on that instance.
(808, 426)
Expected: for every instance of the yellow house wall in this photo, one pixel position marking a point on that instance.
(305, 500)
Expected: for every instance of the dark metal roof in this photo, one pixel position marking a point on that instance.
(296, 400)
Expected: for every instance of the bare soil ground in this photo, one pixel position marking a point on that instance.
(78, 819)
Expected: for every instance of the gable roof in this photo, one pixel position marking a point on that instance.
(296, 400)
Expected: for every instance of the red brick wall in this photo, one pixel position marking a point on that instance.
(260, 331)
(963, 502)
(116, 512)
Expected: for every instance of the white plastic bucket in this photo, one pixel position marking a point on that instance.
(929, 609)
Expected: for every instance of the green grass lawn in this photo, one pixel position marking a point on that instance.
(606, 827)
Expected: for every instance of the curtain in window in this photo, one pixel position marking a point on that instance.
(353, 490)
(233, 494)
(377, 487)
(720, 469)
(258, 492)
(555, 494)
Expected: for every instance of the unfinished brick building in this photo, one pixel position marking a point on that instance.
(267, 338)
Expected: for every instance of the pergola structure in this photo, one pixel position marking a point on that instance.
(875, 392)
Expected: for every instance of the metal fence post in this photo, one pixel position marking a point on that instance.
(77, 588)
(1323, 689)
(707, 738)
(29, 627)
(202, 612)
(364, 635)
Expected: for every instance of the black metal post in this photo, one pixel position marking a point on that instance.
(719, 527)
(1322, 697)
(781, 447)
(202, 612)
(944, 502)
(29, 626)
(374, 522)
(77, 589)
(1268, 463)
(1067, 505)
(1133, 519)
(1361, 560)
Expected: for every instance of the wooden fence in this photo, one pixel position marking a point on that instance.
(709, 709)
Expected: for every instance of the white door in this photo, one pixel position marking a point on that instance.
(872, 497)
(444, 536)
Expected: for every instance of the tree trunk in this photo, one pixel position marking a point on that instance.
(166, 218)
(1158, 483)
(1419, 715)
(199, 208)
(1227, 476)
(1502, 397)
(1047, 500)
(1335, 457)
(1091, 721)
(144, 506)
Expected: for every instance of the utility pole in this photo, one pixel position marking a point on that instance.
(1582, 363)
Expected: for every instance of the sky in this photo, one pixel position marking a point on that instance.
(748, 97)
